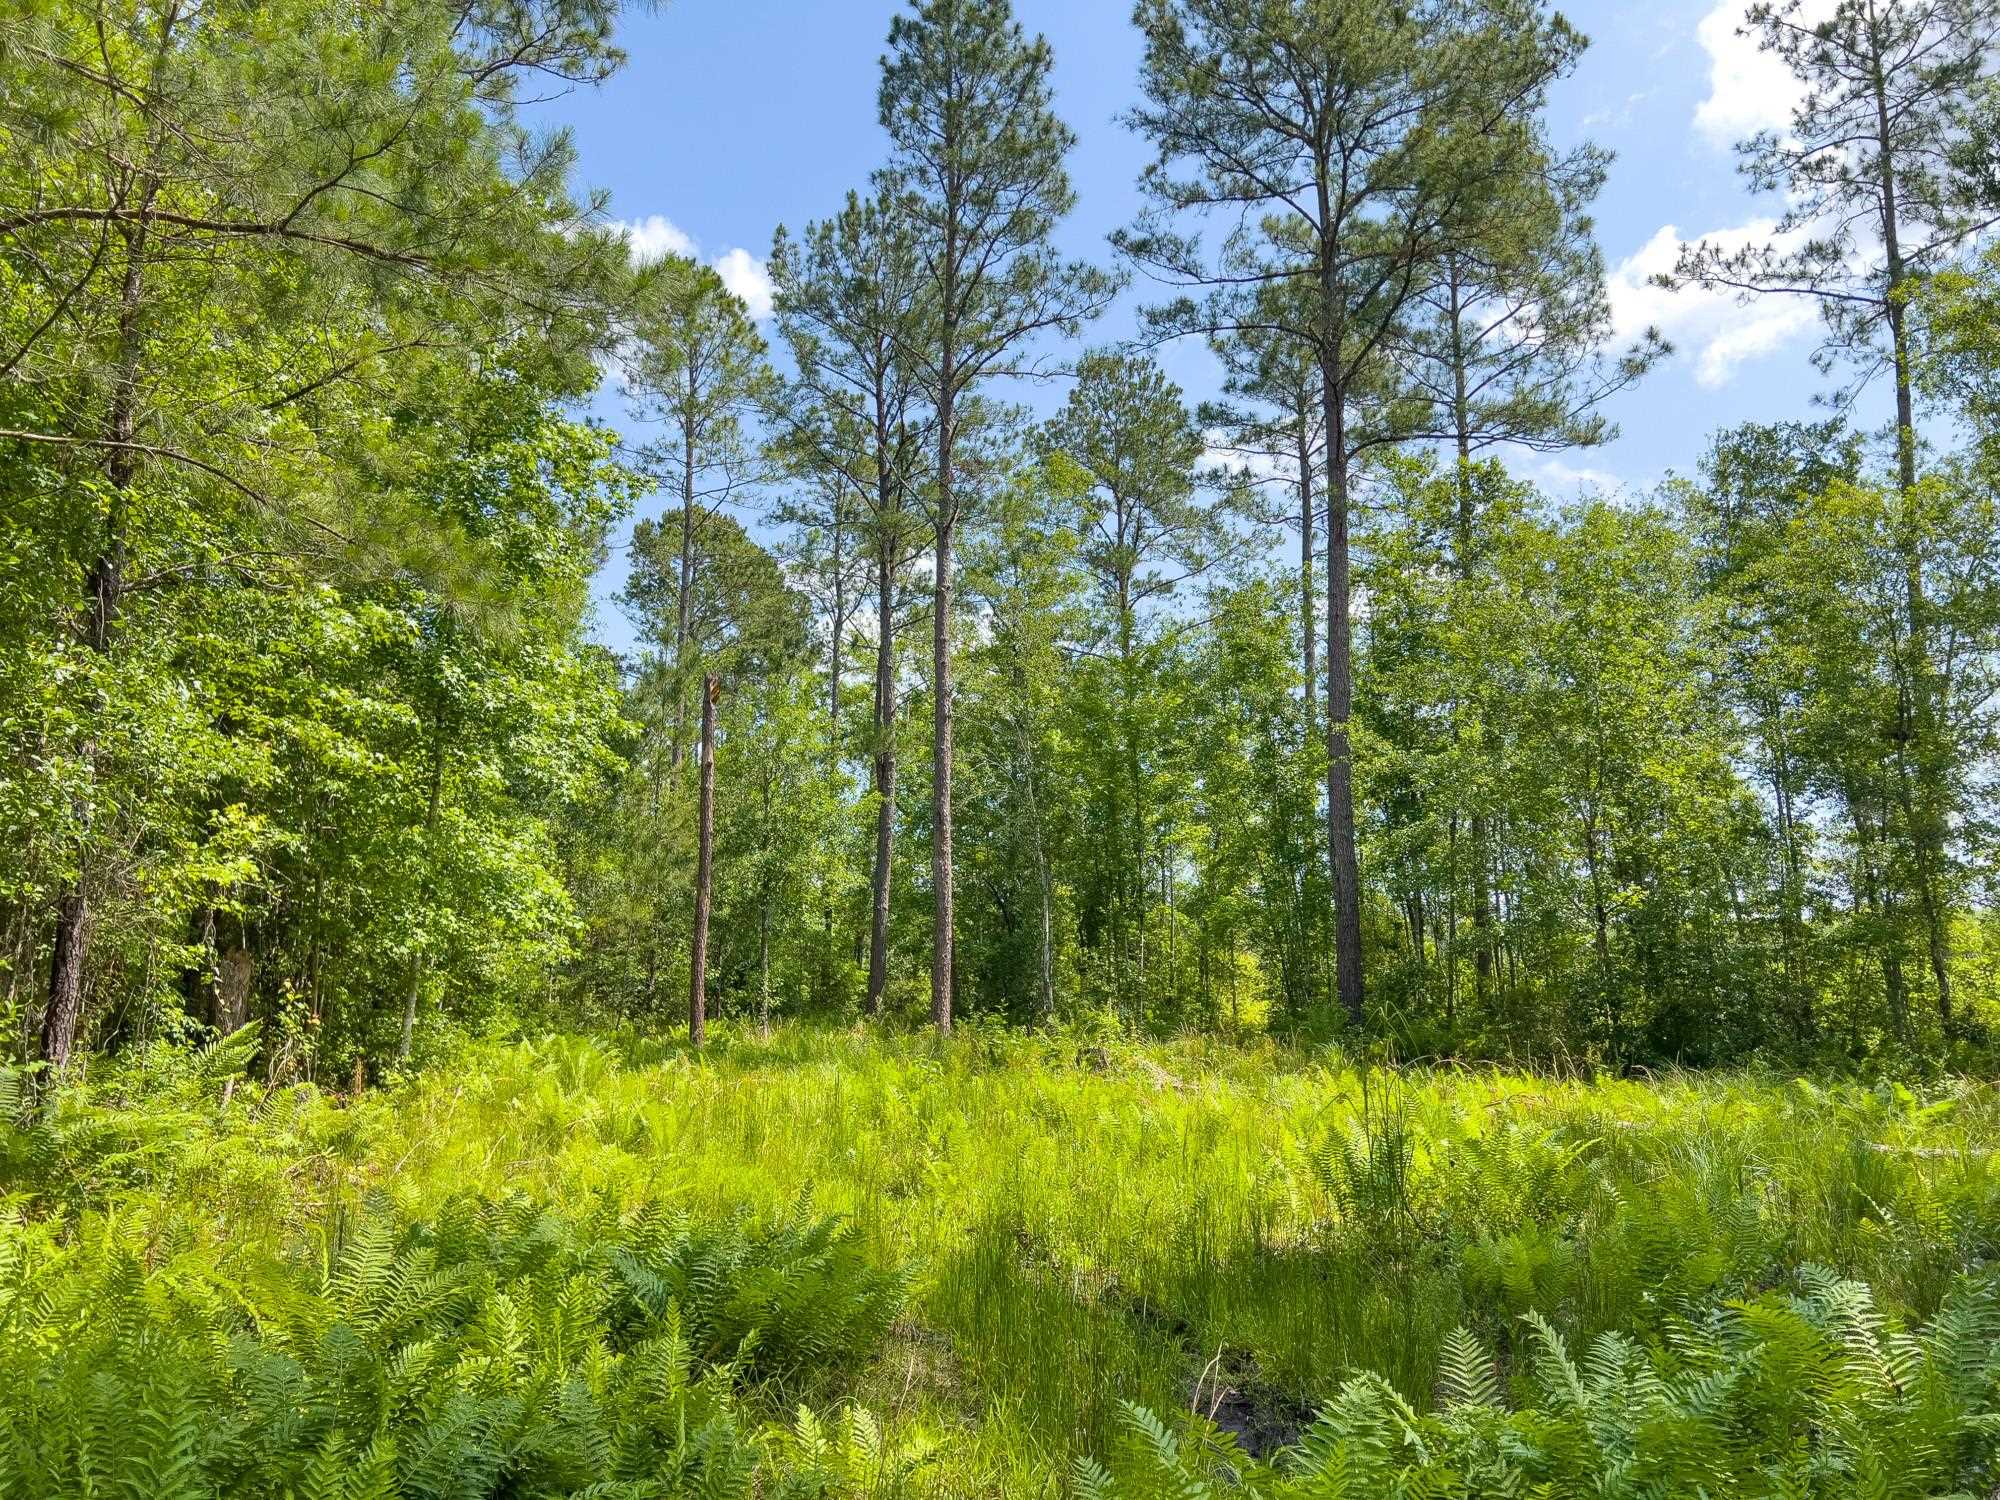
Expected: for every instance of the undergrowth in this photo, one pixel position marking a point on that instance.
(833, 1263)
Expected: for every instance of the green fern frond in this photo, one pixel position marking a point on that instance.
(1466, 1374)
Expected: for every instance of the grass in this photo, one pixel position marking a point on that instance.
(1072, 1227)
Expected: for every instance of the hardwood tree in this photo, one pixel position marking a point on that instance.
(1508, 347)
(1877, 201)
(227, 238)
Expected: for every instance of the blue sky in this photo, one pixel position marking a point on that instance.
(734, 116)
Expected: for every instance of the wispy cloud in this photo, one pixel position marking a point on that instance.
(1255, 464)
(1618, 118)
(1567, 480)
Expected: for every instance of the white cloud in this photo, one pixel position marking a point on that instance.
(654, 237)
(1618, 118)
(1749, 89)
(749, 278)
(1577, 479)
(1721, 331)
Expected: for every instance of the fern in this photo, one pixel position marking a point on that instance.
(1465, 1373)
(496, 1340)
(1786, 1397)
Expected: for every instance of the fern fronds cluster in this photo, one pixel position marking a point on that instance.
(1811, 1393)
(495, 1348)
(601, 1261)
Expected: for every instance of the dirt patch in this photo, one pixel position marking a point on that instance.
(1232, 1394)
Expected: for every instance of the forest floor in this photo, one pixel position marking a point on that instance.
(989, 1245)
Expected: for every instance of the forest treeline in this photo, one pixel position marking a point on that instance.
(1298, 707)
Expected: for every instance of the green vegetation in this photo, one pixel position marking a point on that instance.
(320, 788)
(305, 715)
(986, 1265)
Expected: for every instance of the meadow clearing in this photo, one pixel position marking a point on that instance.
(830, 1262)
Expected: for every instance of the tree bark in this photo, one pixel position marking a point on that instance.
(1133, 881)
(1601, 925)
(430, 840)
(684, 593)
(1482, 892)
(839, 626)
(65, 1007)
(1047, 887)
(1895, 993)
(833, 717)
(1342, 861)
(941, 705)
(232, 990)
(764, 967)
(1044, 882)
(764, 909)
(704, 869)
(1308, 604)
(941, 754)
(1925, 812)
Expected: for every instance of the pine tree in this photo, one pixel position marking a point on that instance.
(847, 301)
(977, 150)
(1351, 150)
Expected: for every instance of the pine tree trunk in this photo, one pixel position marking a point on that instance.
(1925, 811)
(941, 755)
(1133, 880)
(1601, 924)
(684, 591)
(1895, 993)
(704, 869)
(941, 705)
(833, 721)
(839, 632)
(415, 986)
(1044, 884)
(1482, 893)
(764, 967)
(764, 909)
(1308, 604)
(1342, 861)
(885, 776)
